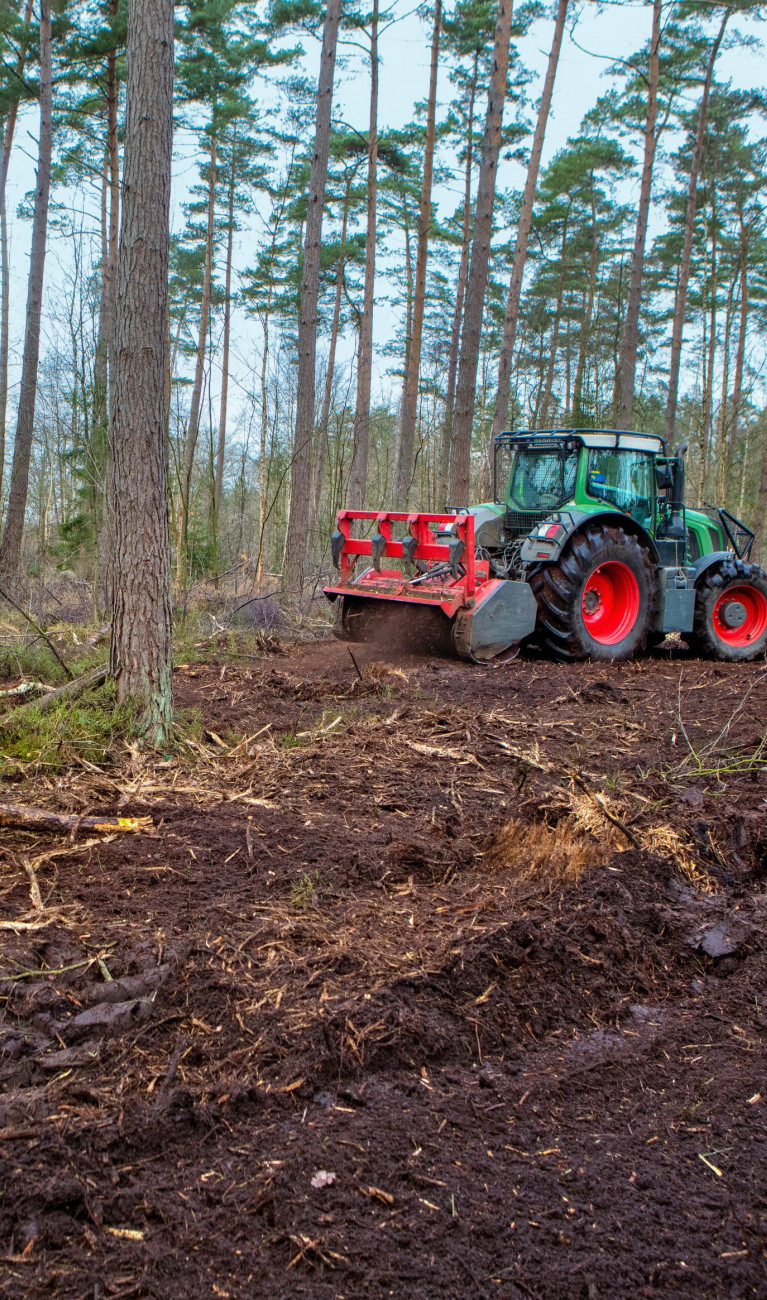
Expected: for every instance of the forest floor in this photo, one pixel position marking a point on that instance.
(425, 980)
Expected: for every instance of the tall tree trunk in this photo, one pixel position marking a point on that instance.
(10, 547)
(141, 650)
(404, 466)
(460, 451)
(630, 344)
(195, 405)
(740, 350)
(361, 440)
(577, 415)
(221, 444)
(722, 439)
(301, 469)
(708, 370)
(549, 383)
(689, 229)
(463, 270)
(322, 432)
(501, 416)
(6, 144)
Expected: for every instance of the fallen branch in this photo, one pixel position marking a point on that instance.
(70, 691)
(37, 629)
(38, 819)
(24, 688)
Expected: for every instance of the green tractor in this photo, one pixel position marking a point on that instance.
(587, 546)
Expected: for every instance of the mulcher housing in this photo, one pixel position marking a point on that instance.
(587, 544)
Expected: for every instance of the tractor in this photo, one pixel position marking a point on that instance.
(587, 547)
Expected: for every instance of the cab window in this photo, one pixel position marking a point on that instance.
(542, 480)
(625, 479)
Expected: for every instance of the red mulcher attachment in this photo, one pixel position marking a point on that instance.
(482, 615)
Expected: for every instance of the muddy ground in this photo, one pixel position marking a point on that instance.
(425, 980)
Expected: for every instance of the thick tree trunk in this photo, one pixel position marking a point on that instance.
(10, 548)
(301, 469)
(460, 451)
(404, 466)
(501, 416)
(195, 405)
(689, 230)
(361, 441)
(630, 345)
(141, 651)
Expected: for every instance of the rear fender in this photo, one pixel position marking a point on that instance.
(707, 562)
(549, 538)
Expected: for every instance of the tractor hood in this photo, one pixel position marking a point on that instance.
(488, 524)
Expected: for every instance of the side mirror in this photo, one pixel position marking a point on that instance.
(663, 476)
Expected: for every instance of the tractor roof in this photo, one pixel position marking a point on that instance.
(618, 439)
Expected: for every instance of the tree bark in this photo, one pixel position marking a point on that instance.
(460, 451)
(554, 344)
(361, 440)
(10, 547)
(141, 649)
(740, 350)
(630, 345)
(6, 144)
(322, 432)
(689, 230)
(404, 466)
(195, 405)
(501, 416)
(221, 446)
(463, 270)
(301, 470)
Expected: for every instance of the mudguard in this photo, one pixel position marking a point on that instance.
(706, 562)
(549, 538)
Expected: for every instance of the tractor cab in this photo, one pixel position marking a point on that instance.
(537, 473)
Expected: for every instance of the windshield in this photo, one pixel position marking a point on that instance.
(542, 479)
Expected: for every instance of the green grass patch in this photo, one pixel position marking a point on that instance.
(89, 728)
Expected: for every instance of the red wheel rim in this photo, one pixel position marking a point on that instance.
(740, 615)
(610, 602)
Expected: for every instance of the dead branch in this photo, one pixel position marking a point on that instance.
(39, 819)
(70, 691)
(37, 629)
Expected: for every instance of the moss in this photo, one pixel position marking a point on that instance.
(52, 740)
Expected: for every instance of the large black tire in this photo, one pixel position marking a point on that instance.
(730, 612)
(599, 600)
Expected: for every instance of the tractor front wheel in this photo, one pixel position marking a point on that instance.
(731, 612)
(598, 601)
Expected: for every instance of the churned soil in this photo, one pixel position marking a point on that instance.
(425, 980)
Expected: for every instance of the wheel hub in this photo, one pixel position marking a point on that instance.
(610, 602)
(740, 615)
(734, 614)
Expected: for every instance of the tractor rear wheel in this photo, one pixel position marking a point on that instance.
(598, 601)
(731, 612)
